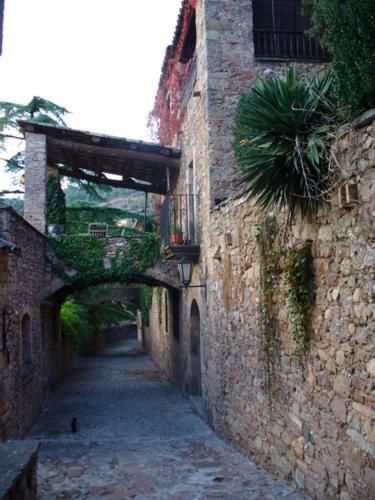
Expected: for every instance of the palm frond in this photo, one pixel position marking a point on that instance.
(282, 130)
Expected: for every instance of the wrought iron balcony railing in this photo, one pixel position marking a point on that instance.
(178, 220)
(287, 45)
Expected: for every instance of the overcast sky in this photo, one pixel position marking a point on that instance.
(101, 59)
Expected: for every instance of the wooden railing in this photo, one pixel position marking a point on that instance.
(287, 45)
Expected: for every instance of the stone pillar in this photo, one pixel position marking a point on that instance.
(139, 329)
(35, 209)
(228, 34)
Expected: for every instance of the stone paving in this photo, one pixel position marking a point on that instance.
(138, 438)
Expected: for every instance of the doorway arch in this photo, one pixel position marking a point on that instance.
(195, 350)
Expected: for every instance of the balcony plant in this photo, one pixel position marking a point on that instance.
(175, 235)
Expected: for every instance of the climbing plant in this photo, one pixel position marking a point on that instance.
(164, 119)
(269, 274)
(298, 277)
(86, 255)
(145, 303)
(298, 274)
(56, 211)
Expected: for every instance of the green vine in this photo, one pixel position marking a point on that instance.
(56, 210)
(146, 303)
(298, 274)
(269, 274)
(86, 255)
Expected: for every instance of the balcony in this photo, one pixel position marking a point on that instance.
(178, 226)
(287, 45)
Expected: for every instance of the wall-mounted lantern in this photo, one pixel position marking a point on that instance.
(185, 270)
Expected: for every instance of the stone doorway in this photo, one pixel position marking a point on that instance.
(195, 339)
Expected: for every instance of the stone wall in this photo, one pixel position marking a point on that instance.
(34, 355)
(314, 420)
(18, 461)
(317, 422)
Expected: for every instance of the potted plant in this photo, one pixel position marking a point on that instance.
(175, 235)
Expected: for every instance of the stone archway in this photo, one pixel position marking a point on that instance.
(195, 350)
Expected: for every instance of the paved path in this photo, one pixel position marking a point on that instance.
(138, 438)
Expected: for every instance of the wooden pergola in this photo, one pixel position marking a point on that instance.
(137, 165)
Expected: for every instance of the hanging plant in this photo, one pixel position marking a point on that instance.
(269, 275)
(298, 274)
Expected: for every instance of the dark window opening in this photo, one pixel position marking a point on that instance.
(280, 31)
(188, 49)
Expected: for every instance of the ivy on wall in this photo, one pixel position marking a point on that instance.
(269, 274)
(86, 255)
(164, 119)
(56, 210)
(145, 303)
(294, 265)
(298, 274)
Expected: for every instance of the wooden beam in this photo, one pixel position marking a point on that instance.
(122, 154)
(128, 184)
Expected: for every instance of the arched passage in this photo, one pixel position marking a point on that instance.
(195, 352)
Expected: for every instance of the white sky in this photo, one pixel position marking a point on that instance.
(101, 59)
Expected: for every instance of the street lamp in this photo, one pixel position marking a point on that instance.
(185, 270)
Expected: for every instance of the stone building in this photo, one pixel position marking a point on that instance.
(316, 425)
(34, 355)
(311, 417)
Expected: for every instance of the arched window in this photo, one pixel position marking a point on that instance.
(26, 346)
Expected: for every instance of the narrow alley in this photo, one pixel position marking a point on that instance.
(137, 438)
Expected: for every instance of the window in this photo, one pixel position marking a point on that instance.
(280, 31)
(279, 15)
(26, 347)
(188, 49)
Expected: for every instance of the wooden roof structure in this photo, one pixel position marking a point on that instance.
(137, 165)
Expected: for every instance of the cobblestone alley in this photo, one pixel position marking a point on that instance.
(138, 438)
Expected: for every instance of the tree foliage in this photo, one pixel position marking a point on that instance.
(38, 110)
(283, 128)
(347, 30)
(75, 321)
